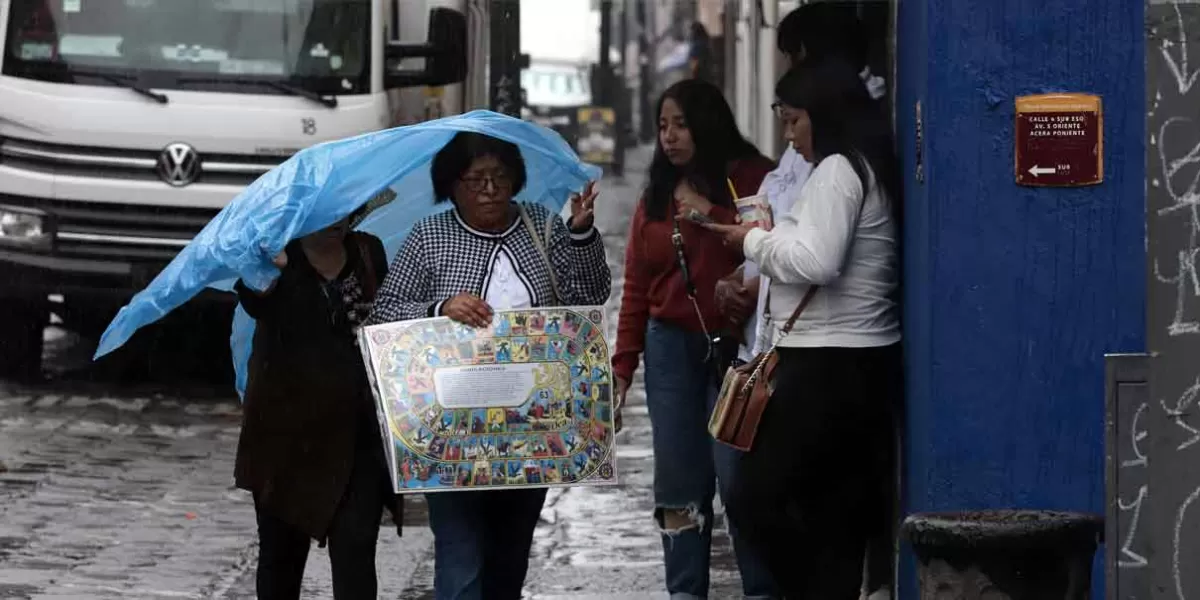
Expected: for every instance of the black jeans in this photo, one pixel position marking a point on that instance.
(283, 549)
(810, 492)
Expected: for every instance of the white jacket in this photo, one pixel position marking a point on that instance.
(782, 186)
(836, 237)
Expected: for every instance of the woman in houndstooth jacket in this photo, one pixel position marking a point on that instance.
(489, 253)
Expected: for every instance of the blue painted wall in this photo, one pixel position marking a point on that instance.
(1013, 295)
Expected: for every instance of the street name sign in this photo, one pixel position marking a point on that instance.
(1059, 140)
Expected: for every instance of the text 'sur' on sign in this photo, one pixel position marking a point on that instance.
(1059, 140)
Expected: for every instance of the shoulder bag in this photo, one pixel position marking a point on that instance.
(746, 390)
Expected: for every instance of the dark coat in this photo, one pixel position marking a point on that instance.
(308, 412)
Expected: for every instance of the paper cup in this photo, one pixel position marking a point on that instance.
(755, 211)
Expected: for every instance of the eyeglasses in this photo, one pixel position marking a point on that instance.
(500, 182)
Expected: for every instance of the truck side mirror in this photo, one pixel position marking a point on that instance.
(445, 54)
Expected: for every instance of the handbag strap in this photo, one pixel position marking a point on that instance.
(804, 302)
(681, 260)
(540, 244)
(681, 257)
(760, 361)
(370, 281)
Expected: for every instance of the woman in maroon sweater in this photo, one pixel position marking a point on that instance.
(668, 315)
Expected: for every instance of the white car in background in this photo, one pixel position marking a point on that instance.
(556, 84)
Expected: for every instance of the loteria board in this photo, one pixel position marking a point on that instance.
(525, 403)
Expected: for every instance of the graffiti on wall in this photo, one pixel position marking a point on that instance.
(1165, 511)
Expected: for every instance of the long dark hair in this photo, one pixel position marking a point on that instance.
(717, 141)
(822, 30)
(845, 120)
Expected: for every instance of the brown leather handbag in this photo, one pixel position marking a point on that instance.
(746, 390)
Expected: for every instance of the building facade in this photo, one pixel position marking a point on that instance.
(1014, 293)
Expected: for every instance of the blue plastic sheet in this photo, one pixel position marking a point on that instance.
(318, 187)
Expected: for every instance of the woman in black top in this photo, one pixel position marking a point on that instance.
(310, 448)
(700, 56)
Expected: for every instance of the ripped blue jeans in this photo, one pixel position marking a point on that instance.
(688, 465)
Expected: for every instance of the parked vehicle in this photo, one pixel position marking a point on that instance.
(126, 125)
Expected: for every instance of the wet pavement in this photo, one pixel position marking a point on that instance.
(603, 542)
(127, 492)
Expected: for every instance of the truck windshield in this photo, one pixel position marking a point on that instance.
(320, 46)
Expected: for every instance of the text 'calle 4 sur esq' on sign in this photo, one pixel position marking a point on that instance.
(1059, 140)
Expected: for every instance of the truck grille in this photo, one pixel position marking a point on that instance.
(151, 233)
(114, 163)
(126, 232)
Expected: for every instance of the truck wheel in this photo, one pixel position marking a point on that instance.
(22, 325)
(205, 338)
(87, 317)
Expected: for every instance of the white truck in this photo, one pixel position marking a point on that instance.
(125, 125)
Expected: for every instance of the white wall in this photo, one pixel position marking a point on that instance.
(757, 66)
(560, 30)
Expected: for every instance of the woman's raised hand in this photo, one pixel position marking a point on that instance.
(583, 211)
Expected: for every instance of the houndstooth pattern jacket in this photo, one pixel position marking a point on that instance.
(443, 256)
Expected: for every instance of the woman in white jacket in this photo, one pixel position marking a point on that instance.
(808, 494)
(811, 33)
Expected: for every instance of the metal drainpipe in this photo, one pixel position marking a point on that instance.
(747, 47)
(768, 135)
(648, 60)
(505, 61)
(476, 91)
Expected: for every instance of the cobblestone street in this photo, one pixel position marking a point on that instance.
(127, 492)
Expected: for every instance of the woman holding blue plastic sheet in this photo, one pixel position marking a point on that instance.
(310, 448)
(489, 253)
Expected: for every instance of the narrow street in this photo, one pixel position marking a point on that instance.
(128, 494)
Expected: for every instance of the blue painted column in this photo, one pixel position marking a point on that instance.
(1013, 295)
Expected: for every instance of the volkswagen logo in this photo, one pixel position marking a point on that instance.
(178, 164)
